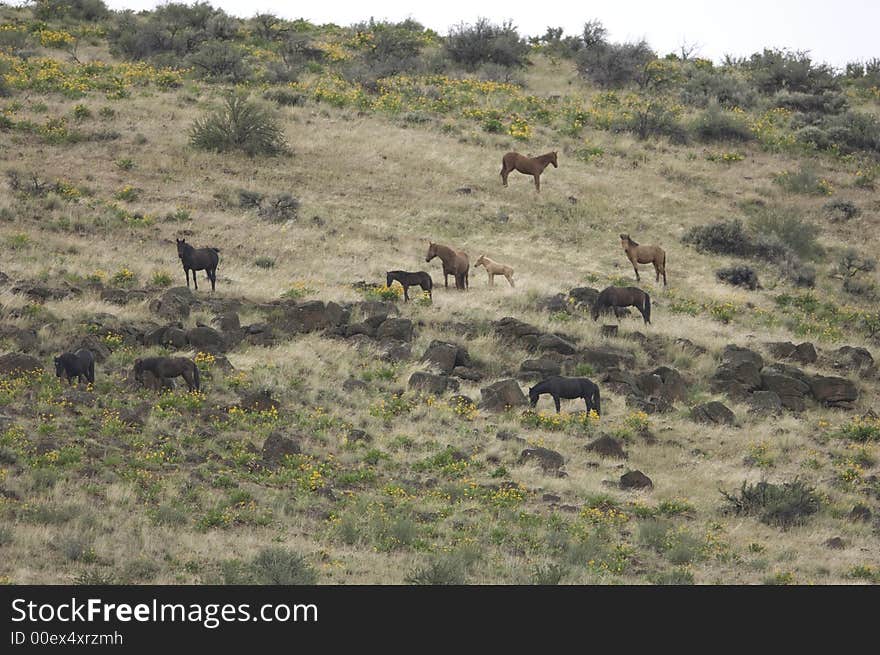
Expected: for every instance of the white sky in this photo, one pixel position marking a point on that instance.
(834, 32)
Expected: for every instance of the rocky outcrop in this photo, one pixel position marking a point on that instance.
(502, 395)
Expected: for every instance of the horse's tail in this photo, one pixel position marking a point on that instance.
(217, 250)
(196, 382)
(597, 401)
(91, 370)
(647, 312)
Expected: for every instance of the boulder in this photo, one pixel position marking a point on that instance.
(548, 460)
(258, 401)
(312, 315)
(734, 354)
(277, 447)
(585, 296)
(743, 373)
(428, 383)
(174, 304)
(555, 303)
(713, 412)
(446, 356)
(765, 402)
(650, 405)
(791, 391)
(17, 363)
(399, 329)
(555, 343)
(539, 368)
(673, 387)
(466, 373)
(834, 391)
(96, 345)
(804, 353)
(852, 358)
(513, 329)
(619, 381)
(606, 446)
(502, 395)
(635, 480)
(353, 384)
(206, 339)
(369, 326)
(606, 357)
(392, 350)
(228, 322)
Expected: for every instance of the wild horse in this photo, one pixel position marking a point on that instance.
(534, 166)
(198, 259)
(563, 387)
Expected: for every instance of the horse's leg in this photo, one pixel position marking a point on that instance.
(186, 272)
(656, 272)
(538, 182)
(405, 294)
(213, 278)
(491, 279)
(636, 269)
(504, 173)
(510, 280)
(446, 279)
(195, 279)
(556, 402)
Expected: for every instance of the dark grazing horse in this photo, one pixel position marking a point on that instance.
(407, 280)
(562, 387)
(614, 297)
(534, 166)
(455, 263)
(168, 367)
(79, 365)
(198, 259)
(645, 255)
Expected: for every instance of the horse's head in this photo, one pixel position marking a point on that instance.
(59, 367)
(139, 370)
(553, 161)
(388, 279)
(533, 397)
(432, 251)
(624, 240)
(181, 246)
(481, 261)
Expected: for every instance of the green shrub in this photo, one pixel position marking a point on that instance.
(483, 42)
(739, 276)
(804, 180)
(264, 262)
(441, 571)
(778, 229)
(715, 124)
(239, 125)
(218, 61)
(782, 505)
(844, 210)
(614, 65)
(721, 237)
(279, 208)
(284, 97)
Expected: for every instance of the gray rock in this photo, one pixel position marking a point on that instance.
(400, 329)
(548, 460)
(277, 447)
(554, 343)
(206, 339)
(428, 383)
(174, 304)
(502, 395)
(765, 402)
(16, 363)
(604, 358)
(713, 412)
(834, 391)
(353, 384)
(540, 368)
(635, 480)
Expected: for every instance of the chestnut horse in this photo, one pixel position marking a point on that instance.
(455, 262)
(529, 165)
(645, 255)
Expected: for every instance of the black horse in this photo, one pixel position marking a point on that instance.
(163, 368)
(79, 365)
(562, 387)
(614, 297)
(407, 280)
(198, 259)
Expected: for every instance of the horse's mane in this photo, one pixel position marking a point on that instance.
(631, 241)
(547, 156)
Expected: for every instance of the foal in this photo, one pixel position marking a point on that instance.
(562, 387)
(493, 268)
(645, 255)
(198, 259)
(79, 365)
(407, 280)
(533, 166)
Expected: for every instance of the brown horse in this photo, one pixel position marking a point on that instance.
(529, 165)
(455, 262)
(645, 255)
(614, 297)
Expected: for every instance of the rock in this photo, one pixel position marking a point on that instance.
(502, 395)
(513, 329)
(540, 368)
(95, 345)
(585, 296)
(860, 512)
(733, 354)
(651, 405)
(445, 356)
(804, 353)
(464, 190)
(790, 390)
(835, 543)
(765, 402)
(312, 315)
(731, 377)
(610, 330)
(554, 304)
(466, 373)
(551, 498)
(355, 435)
(673, 387)
(353, 384)
(228, 322)
(622, 382)
(277, 447)
(460, 401)
(258, 401)
(507, 435)
(690, 346)
(852, 358)
(548, 460)
(18, 363)
(206, 339)
(555, 343)
(174, 304)
(428, 383)
(399, 329)
(713, 412)
(607, 446)
(605, 357)
(635, 480)
(834, 391)
(25, 338)
(392, 350)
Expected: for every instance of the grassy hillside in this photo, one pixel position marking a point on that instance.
(389, 484)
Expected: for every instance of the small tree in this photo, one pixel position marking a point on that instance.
(486, 43)
(239, 125)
